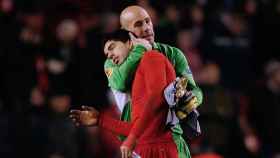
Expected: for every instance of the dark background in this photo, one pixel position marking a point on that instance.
(51, 60)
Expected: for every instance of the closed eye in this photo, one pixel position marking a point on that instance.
(111, 46)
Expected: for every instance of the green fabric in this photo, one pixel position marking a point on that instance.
(125, 116)
(182, 147)
(180, 63)
(122, 75)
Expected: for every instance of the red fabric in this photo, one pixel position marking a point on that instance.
(114, 125)
(152, 76)
(209, 155)
(149, 110)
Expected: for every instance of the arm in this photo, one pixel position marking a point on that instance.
(89, 116)
(155, 82)
(113, 125)
(182, 69)
(120, 75)
(181, 66)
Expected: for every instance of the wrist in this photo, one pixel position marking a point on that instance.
(100, 119)
(130, 141)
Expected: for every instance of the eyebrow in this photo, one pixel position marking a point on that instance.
(111, 46)
(140, 22)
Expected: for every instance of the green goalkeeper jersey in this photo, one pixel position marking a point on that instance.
(120, 76)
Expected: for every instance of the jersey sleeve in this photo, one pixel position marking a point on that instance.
(182, 69)
(181, 66)
(116, 126)
(120, 76)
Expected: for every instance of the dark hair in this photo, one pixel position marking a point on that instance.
(118, 35)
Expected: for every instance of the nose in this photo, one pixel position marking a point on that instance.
(146, 27)
(110, 55)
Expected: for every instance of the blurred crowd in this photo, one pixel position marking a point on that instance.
(51, 60)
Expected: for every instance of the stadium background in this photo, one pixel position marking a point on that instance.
(51, 59)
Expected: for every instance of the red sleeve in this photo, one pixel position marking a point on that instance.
(114, 125)
(155, 82)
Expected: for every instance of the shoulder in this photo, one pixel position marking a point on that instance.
(153, 54)
(108, 63)
(166, 47)
(152, 58)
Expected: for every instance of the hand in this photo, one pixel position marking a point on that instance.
(140, 41)
(186, 100)
(181, 87)
(126, 151)
(88, 116)
(175, 91)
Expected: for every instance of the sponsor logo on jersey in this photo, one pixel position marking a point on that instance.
(109, 72)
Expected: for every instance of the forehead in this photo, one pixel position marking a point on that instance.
(107, 44)
(139, 15)
(111, 43)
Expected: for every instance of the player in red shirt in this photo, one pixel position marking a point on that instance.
(147, 133)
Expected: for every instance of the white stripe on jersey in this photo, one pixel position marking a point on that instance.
(121, 98)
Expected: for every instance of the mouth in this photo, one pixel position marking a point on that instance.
(116, 61)
(148, 36)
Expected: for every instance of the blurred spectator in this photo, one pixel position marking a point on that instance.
(197, 17)
(216, 114)
(62, 59)
(265, 123)
(193, 18)
(167, 28)
(185, 43)
(61, 133)
(250, 7)
(110, 22)
(7, 6)
(266, 34)
(24, 47)
(92, 77)
(36, 69)
(228, 43)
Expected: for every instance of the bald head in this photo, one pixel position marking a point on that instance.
(136, 19)
(130, 13)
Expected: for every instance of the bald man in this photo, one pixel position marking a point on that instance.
(135, 19)
(120, 74)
